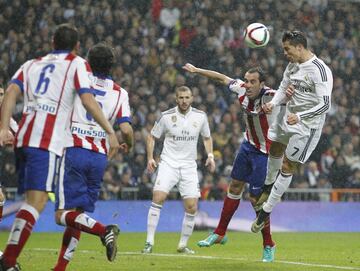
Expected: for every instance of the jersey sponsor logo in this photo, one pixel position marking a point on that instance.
(302, 85)
(184, 137)
(87, 130)
(43, 105)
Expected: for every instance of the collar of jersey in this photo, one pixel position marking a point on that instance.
(102, 76)
(179, 113)
(60, 52)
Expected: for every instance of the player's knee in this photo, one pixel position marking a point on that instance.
(2, 197)
(253, 199)
(236, 187)
(191, 208)
(289, 167)
(58, 215)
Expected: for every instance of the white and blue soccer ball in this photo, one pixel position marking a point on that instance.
(256, 35)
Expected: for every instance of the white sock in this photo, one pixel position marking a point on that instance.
(187, 229)
(273, 167)
(281, 184)
(152, 222)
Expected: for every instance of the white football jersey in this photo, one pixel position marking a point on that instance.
(257, 122)
(313, 82)
(181, 135)
(49, 85)
(84, 132)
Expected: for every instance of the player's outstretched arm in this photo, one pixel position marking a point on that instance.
(210, 162)
(222, 78)
(128, 136)
(94, 109)
(150, 144)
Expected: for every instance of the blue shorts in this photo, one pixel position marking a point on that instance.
(81, 173)
(250, 166)
(37, 169)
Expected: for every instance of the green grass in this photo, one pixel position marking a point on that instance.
(295, 251)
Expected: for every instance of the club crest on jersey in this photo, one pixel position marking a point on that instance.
(173, 118)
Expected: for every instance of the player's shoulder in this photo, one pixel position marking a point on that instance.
(169, 111)
(320, 68)
(197, 111)
(237, 82)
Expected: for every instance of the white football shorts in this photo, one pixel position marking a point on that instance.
(300, 139)
(186, 180)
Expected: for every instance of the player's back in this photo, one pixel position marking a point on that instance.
(49, 84)
(84, 132)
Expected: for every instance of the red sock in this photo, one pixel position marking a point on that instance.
(266, 234)
(1, 210)
(69, 243)
(84, 223)
(229, 208)
(19, 234)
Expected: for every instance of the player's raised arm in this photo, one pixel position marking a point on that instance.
(221, 78)
(150, 144)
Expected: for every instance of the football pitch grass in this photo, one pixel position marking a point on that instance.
(295, 251)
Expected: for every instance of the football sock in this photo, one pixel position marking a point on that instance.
(266, 234)
(82, 222)
(281, 184)
(25, 219)
(69, 243)
(273, 167)
(152, 221)
(231, 203)
(187, 229)
(1, 208)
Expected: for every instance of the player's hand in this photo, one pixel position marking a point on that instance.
(290, 91)
(6, 137)
(124, 148)
(189, 67)
(210, 163)
(151, 166)
(292, 119)
(268, 107)
(114, 145)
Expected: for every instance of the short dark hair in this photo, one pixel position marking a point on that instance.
(101, 58)
(260, 71)
(295, 38)
(65, 37)
(182, 89)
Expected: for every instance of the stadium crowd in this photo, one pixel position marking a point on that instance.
(153, 39)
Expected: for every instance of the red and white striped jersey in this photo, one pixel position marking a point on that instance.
(49, 85)
(257, 122)
(84, 132)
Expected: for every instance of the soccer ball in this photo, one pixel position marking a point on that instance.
(256, 35)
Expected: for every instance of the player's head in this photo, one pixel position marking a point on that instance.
(254, 81)
(66, 37)
(101, 58)
(294, 44)
(2, 94)
(184, 98)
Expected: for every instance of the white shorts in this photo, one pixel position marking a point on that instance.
(186, 180)
(300, 139)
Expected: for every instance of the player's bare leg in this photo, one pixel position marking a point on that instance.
(231, 204)
(26, 218)
(275, 161)
(158, 200)
(190, 205)
(281, 184)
